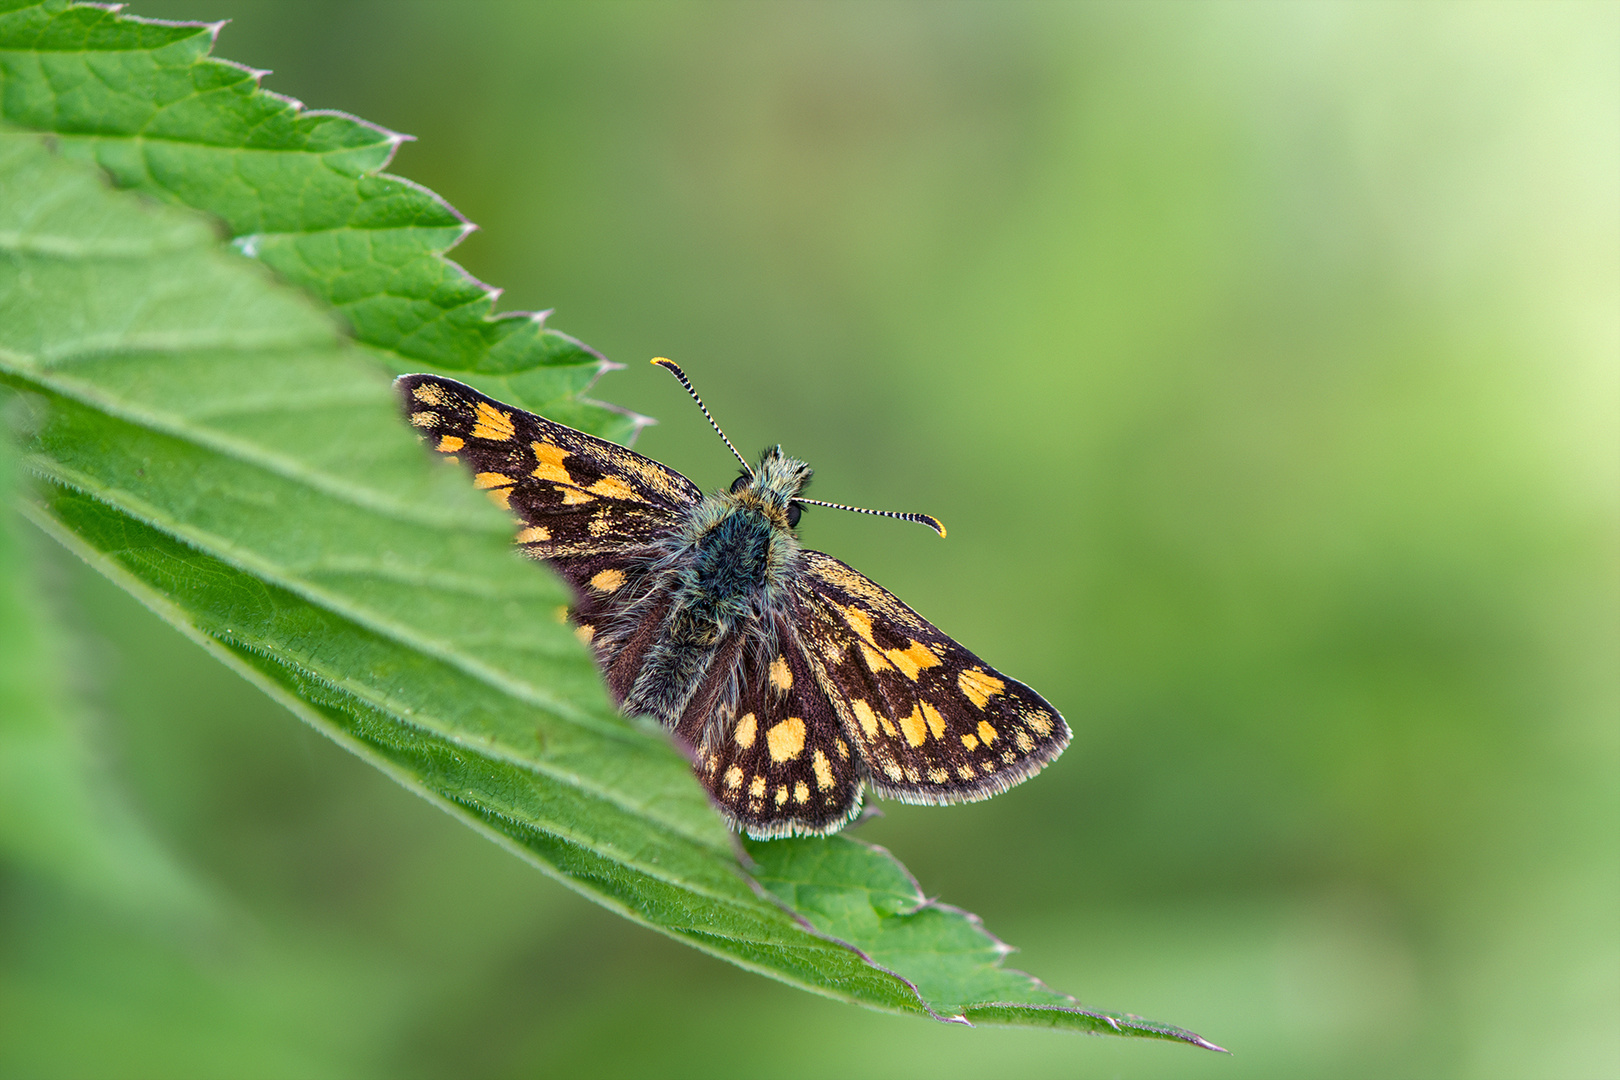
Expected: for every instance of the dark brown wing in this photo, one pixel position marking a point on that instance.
(768, 744)
(572, 493)
(934, 723)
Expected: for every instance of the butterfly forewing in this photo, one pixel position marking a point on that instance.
(934, 723)
(572, 493)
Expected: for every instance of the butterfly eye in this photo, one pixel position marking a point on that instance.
(794, 510)
(739, 483)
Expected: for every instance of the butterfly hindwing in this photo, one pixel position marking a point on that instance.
(573, 494)
(934, 723)
(772, 750)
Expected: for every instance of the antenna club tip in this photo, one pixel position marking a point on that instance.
(935, 524)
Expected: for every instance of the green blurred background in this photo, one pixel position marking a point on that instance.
(1264, 362)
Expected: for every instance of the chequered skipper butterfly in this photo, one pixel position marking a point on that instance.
(793, 679)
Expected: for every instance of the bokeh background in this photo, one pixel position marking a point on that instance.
(1264, 362)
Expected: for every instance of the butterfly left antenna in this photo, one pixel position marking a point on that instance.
(674, 369)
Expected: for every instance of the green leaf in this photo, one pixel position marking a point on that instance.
(59, 819)
(301, 190)
(207, 439)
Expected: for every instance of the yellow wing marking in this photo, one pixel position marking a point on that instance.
(734, 778)
(425, 418)
(551, 462)
(867, 718)
(757, 787)
(501, 497)
(936, 722)
(449, 444)
(987, 734)
(606, 581)
(745, 731)
(1039, 722)
(860, 622)
(780, 676)
(914, 727)
(786, 740)
(534, 534)
(874, 659)
(572, 496)
(913, 659)
(823, 769)
(611, 487)
(801, 792)
(492, 424)
(970, 741)
(979, 686)
(429, 393)
(486, 480)
(585, 631)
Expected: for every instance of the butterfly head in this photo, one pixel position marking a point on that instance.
(773, 488)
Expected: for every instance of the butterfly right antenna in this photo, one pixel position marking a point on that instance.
(924, 519)
(675, 369)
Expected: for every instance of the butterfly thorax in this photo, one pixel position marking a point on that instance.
(739, 547)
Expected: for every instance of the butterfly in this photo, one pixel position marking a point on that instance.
(794, 681)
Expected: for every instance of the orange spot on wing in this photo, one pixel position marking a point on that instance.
(912, 660)
(874, 659)
(823, 770)
(914, 727)
(611, 487)
(492, 424)
(786, 740)
(866, 717)
(551, 463)
(979, 686)
(606, 581)
(780, 676)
